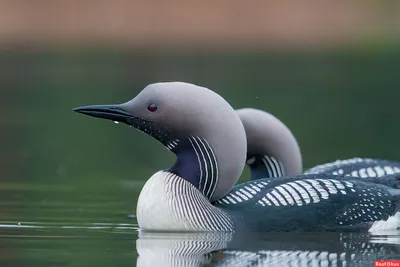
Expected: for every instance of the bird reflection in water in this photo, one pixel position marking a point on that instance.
(277, 249)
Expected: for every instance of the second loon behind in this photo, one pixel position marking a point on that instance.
(273, 151)
(196, 193)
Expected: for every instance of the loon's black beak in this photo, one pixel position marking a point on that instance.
(116, 113)
(110, 112)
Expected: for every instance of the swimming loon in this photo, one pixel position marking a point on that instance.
(273, 151)
(209, 140)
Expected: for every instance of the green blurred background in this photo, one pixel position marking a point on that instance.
(329, 71)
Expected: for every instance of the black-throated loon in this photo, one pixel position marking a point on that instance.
(273, 151)
(197, 193)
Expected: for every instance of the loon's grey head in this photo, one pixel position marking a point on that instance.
(197, 124)
(270, 144)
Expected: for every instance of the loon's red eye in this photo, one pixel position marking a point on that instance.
(152, 107)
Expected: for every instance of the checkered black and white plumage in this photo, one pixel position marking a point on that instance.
(357, 167)
(311, 202)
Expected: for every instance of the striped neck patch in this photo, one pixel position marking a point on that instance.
(265, 167)
(196, 163)
(208, 165)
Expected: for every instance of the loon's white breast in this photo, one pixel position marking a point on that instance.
(168, 202)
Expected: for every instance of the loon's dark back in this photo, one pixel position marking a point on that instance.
(313, 202)
(357, 167)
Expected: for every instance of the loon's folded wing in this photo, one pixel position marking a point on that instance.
(310, 202)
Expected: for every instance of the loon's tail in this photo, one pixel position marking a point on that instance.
(393, 222)
(392, 181)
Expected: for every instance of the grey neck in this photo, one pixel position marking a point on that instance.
(264, 167)
(196, 163)
(267, 135)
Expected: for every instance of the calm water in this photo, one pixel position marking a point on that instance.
(81, 239)
(69, 183)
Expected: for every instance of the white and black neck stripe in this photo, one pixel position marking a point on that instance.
(208, 165)
(196, 163)
(171, 145)
(265, 167)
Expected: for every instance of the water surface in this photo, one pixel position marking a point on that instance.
(120, 243)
